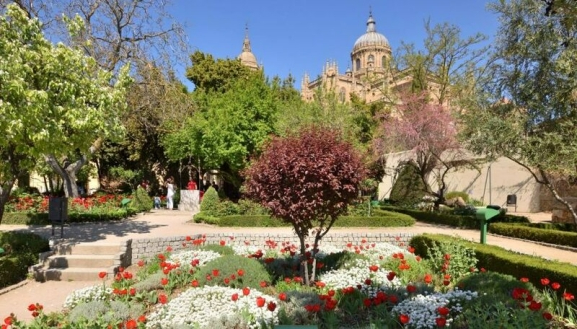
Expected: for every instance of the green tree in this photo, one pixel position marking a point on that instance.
(54, 100)
(227, 129)
(214, 75)
(529, 112)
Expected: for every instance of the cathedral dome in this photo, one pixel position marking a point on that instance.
(371, 38)
(248, 58)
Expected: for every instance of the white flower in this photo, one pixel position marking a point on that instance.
(357, 275)
(422, 309)
(184, 257)
(196, 307)
(88, 294)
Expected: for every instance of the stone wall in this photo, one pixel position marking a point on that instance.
(146, 248)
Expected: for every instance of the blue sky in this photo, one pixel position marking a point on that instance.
(298, 36)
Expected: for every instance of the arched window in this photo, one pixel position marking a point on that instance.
(342, 94)
(384, 61)
(358, 64)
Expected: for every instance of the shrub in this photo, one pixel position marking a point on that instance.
(203, 217)
(497, 259)
(23, 242)
(451, 257)
(456, 194)
(254, 272)
(248, 207)
(381, 219)
(408, 189)
(210, 200)
(104, 313)
(141, 201)
(535, 234)
(223, 250)
(342, 259)
(14, 268)
(226, 208)
(496, 286)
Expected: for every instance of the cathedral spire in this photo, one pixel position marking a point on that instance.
(371, 24)
(246, 43)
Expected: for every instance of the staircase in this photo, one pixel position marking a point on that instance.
(81, 262)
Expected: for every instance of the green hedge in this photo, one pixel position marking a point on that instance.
(17, 218)
(497, 259)
(535, 234)
(468, 222)
(21, 251)
(381, 219)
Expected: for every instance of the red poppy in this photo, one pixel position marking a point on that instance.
(32, 307)
(141, 263)
(524, 280)
(102, 275)
(320, 284)
(411, 289)
(282, 296)
(240, 272)
(441, 322)
(132, 291)
(331, 293)
(194, 283)
(234, 297)
(373, 268)
(446, 282)
(222, 242)
(393, 299)
(391, 275)
(260, 301)
(169, 248)
(162, 299)
(568, 296)
(555, 285)
(188, 238)
(271, 306)
(428, 278)
(131, 324)
(166, 270)
(215, 272)
(443, 311)
(120, 269)
(164, 281)
(367, 302)
(545, 281)
(404, 319)
(142, 318)
(547, 316)
(245, 291)
(411, 249)
(534, 306)
(447, 257)
(226, 280)
(263, 284)
(35, 314)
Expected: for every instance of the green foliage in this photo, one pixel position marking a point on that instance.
(496, 287)
(249, 207)
(141, 201)
(45, 89)
(383, 219)
(451, 257)
(456, 194)
(202, 217)
(497, 259)
(223, 250)
(342, 259)
(408, 189)
(535, 234)
(481, 315)
(104, 312)
(209, 204)
(21, 250)
(17, 218)
(227, 265)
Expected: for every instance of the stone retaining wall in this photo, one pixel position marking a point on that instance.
(146, 248)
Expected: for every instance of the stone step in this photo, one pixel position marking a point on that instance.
(71, 274)
(101, 262)
(87, 249)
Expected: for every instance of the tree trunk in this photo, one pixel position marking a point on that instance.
(547, 182)
(5, 190)
(67, 172)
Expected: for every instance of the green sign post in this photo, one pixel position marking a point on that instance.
(485, 215)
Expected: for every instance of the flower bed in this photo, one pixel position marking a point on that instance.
(367, 285)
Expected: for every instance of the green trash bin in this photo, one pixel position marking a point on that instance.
(486, 215)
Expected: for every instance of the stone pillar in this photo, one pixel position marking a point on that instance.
(189, 201)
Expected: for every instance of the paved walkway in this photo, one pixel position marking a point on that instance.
(161, 223)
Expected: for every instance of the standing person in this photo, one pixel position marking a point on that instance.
(169, 193)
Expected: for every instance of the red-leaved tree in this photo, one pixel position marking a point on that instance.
(306, 179)
(428, 131)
